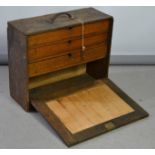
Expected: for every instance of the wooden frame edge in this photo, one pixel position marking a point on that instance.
(72, 139)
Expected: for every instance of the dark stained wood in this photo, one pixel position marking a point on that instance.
(39, 46)
(61, 88)
(41, 24)
(99, 69)
(56, 123)
(68, 33)
(18, 77)
(20, 31)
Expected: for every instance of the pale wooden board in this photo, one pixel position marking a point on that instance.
(89, 107)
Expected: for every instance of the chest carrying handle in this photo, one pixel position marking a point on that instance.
(61, 14)
(71, 17)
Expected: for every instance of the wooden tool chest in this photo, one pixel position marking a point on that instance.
(58, 65)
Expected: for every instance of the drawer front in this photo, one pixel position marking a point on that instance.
(94, 53)
(68, 32)
(53, 64)
(52, 50)
(67, 60)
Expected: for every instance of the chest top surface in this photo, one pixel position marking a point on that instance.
(41, 24)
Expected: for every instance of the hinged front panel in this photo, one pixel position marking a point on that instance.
(82, 107)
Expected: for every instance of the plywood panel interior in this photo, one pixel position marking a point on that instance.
(89, 107)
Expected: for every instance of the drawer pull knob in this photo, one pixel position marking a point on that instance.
(70, 55)
(69, 41)
(70, 27)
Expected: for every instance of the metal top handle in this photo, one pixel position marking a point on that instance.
(60, 14)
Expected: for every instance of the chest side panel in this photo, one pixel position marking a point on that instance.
(18, 77)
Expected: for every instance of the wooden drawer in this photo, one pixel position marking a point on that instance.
(53, 64)
(52, 50)
(67, 60)
(67, 32)
(94, 53)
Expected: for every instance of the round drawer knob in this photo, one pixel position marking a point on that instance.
(70, 55)
(69, 41)
(70, 28)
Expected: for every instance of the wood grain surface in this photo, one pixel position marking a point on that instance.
(89, 107)
(77, 107)
(18, 77)
(41, 24)
(69, 32)
(69, 59)
(37, 47)
(54, 49)
(81, 107)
